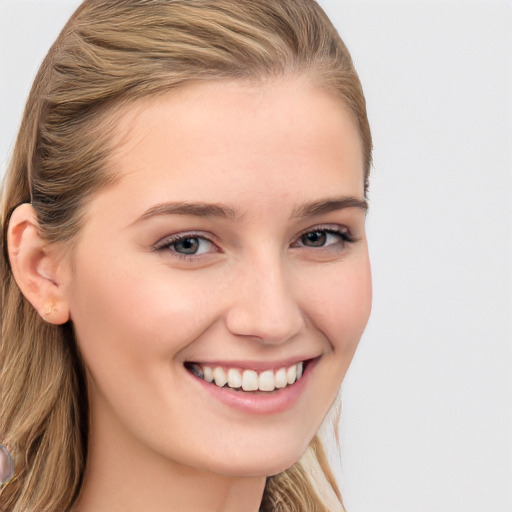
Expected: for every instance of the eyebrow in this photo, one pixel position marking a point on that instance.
(329, 205)
(195, 209)
(226, 212)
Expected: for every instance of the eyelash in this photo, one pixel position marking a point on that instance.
(168, 243)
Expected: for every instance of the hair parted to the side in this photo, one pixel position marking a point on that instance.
(110, 54)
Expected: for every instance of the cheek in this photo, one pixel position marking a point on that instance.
(130, 327)
(143, 314)
(344, 306)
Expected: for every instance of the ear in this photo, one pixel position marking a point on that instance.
(37, 266)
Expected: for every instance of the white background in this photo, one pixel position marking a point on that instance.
(427, 403)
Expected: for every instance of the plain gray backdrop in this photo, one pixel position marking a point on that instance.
(427, 403)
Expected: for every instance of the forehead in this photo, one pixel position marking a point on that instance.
(230, 138)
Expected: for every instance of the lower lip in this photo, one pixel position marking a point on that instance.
(259, 402)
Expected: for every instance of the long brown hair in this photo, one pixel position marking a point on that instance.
(109, 54)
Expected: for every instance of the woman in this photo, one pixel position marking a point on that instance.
(185, 270)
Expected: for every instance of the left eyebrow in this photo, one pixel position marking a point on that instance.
(329, 205)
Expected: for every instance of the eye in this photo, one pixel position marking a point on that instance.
(187, 245)
(325, 237)
(316, 238)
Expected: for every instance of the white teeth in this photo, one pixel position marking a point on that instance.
(291, 374)
(300, 367)
(234, 378)
(208, 374)
(280, 378)
(249, 380)
(266, 381)
(219, 375)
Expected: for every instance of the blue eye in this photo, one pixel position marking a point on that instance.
(186, 245)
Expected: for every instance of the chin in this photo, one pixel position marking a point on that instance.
(266, 462)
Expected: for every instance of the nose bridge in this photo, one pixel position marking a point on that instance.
(264, 304)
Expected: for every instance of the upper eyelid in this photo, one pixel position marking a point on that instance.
(331, 228)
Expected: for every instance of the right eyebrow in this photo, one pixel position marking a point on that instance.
(186, 208)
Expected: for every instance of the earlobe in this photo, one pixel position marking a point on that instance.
(36, 267)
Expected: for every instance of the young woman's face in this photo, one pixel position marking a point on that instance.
(231, 247)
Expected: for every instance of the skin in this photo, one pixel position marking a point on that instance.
(257, 290)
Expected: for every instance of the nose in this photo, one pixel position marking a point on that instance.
(264, 304)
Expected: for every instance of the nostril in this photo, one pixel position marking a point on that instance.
(271, 325)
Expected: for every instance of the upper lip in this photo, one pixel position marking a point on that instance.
(254, 365)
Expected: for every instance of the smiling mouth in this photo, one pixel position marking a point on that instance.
(248, 380)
